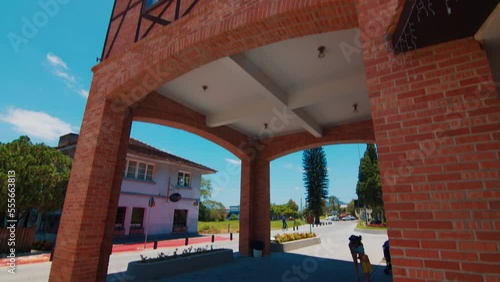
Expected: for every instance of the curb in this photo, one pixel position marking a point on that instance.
(367, 231)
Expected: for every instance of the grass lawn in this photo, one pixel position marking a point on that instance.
(361, 225)
(218, 227)
(233, 226)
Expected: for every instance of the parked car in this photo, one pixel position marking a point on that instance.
(349, 217)
(332, 218)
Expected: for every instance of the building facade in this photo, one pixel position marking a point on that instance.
(153, 175)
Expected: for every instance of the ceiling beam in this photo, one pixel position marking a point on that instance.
(238, 112)
(273, 92)
(315, 94)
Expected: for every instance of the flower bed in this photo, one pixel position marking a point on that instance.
(287, 237)
(293, 241)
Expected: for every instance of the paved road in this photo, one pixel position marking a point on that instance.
(331, 261)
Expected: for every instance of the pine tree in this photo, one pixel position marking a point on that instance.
(369, 187)
(316, 180)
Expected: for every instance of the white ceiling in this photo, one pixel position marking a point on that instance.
(490, 30)
(489, 35)
(284, 85)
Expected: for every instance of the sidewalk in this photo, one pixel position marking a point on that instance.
(134, 243)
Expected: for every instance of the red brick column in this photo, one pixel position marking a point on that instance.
(436, 117)
(254, 205)
(84, 238)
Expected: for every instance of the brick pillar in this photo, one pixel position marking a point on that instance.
(84, 238)
(436, 117)
(254, 205)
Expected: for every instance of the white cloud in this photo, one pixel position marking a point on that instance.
(288, 166)
(56, 61)
(36, 124)
(60, 69)
(65, 75)
(297, 188)
(233, 161)
(84, 93)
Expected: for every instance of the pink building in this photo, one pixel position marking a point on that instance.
(150, 172)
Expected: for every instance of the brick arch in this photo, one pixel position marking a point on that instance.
(164, 111)
(356, 132)
(203, 37)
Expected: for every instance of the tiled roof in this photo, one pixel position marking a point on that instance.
(139, 148)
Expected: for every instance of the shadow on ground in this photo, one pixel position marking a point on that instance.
(285, 267)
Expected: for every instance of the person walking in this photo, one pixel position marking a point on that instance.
(285, 226)
(358, 252)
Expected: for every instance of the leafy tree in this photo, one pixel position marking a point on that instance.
(351, 208)
(211, 211)
(292, 205)
(289, 209)
(206, 188)
(369, 187)
(333, 205)
(316, 180)
(41, 174)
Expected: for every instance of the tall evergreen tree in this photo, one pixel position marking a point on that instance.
(316, 180)
(369, 187)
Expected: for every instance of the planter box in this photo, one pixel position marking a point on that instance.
(140, 271)
(293, 245)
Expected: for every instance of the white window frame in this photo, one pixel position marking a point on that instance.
(136, 171)
(190, 175)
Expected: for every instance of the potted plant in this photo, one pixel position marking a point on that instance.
(258, 247)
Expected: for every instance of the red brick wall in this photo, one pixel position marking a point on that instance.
(254, 205)
(436, 117)
(86, 228)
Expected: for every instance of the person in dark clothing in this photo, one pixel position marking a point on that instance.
(387, 256)
(283, 219)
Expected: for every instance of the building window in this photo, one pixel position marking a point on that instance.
(137, 218)
(120, 218)
(139, 170)
(184, 179)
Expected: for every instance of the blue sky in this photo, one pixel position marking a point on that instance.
(48, 48)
